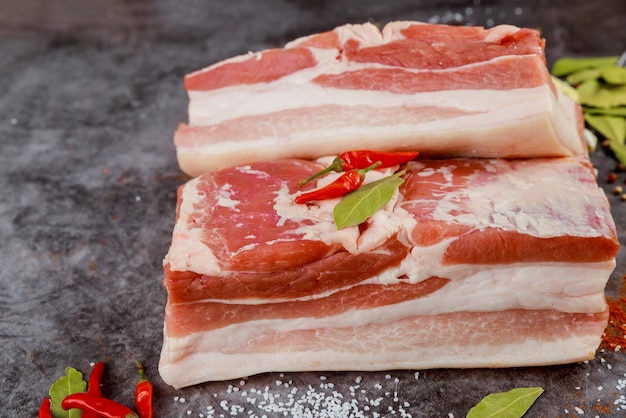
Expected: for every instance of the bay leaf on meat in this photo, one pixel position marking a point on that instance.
(357, 206)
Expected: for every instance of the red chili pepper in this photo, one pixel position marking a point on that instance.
(103, 407)
(44, 409)
(95, 378)
(94, 386)
(347, 182)
(143, 394)
(362, 159)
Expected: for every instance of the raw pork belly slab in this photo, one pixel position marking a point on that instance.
(474, 263)
(442, 90)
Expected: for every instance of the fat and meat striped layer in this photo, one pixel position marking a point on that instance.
(402, 87)
(512, 338)
(257, 283)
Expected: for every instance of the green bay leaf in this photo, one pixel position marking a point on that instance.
(614, 75)
(613, 111)
(357, 206)
(569, 65)
(582, 75)
(511, 404)
(612, 127)
(596, 94)
(71, 382)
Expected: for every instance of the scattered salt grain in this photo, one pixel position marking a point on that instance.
(579, 410)
(417, 375)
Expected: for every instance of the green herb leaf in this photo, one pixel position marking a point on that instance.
(582, 75)
(614, 75)
(614, 111)
(593, 93)
(357, 206)
(511, 404)
(565, 66)
(71, 382)
(614, 129)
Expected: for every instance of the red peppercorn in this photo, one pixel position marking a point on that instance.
(611, 178)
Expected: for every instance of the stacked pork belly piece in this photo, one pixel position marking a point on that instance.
(494, 252)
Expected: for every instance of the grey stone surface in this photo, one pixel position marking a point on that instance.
(90, 94)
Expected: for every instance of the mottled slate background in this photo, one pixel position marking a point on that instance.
(90, 94)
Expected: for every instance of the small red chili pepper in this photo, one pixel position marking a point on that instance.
(94, 386)
(362, 159)
(103, 407)
(44, 409)
(95, 378)
(347, 182)
(143, 394)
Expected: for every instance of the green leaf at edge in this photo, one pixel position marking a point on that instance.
(511, 404)
(612, 127)
(613, 111)
(567, 65)
(582, 75)
(614, 75)
(71, 382)
(596, 94)
(357, 206)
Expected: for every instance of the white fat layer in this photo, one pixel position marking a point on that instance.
(185, 361)
(215, 106)
(541, 127)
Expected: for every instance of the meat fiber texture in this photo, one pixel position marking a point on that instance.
(443, 90)
(473, 263)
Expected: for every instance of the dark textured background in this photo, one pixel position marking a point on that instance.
(90, 94)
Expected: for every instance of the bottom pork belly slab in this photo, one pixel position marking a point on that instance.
(473, 263)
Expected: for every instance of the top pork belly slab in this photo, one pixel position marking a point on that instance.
(442, 90)
(474, 263)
